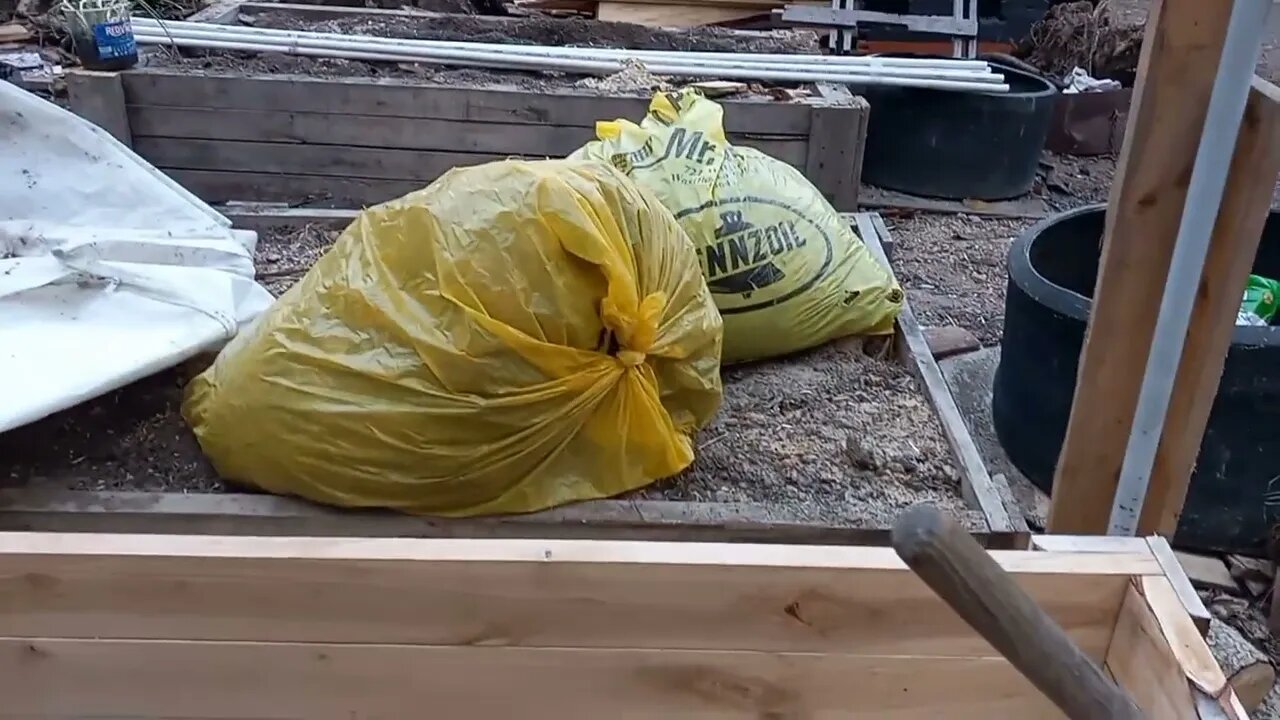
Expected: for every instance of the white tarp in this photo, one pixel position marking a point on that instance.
(109, 271)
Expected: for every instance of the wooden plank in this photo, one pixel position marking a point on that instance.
(1089, 543)
(397, 132)
(837, 17)
(1140, 660)
(1176, 572)
(754, 4)
(216, 186)
(124, 678)
(1184, 639)
(243, 514)
(1246, 205)
(979, 489)
(1207, 571)
(99, 98)
(1180, 53)
(1026, 207)
(658, 15)
(526, 593)
(1159, 548)
(421, 166)
(634, 12)
(950, 340)
(256, 216)
(332, 12)
(835, 150)
(12, 32)
(399, 98)
(220, 12)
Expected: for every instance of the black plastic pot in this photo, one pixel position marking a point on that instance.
(1052, 271)
(958, 145)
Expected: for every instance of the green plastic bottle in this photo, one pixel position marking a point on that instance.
(1260, 302)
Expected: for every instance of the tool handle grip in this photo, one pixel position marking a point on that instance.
(962, 573)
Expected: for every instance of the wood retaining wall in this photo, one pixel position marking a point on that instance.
(359, 141)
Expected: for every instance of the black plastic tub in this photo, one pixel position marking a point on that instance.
(958, 145)
(1052, 271)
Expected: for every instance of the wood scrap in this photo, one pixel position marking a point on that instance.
(1255, 575)
(1207, 571)
(1248, 670)
(1250, 568)
(667, 13)
(656, 14)
(951, 340)
(13, 33)
(718, 88)
(582, 6)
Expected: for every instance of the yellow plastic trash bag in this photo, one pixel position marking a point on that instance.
(786, 272)
(515, 336)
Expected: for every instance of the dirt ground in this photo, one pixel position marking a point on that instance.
(832, 434)
(785, 437)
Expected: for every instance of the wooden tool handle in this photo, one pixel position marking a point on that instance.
(975, 586)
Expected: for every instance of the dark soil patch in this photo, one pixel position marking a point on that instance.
(130, 439)
(135, 438)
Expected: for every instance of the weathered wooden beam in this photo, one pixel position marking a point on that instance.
(1176, 73)
(99, 98)
(836, 17)
(835, 147)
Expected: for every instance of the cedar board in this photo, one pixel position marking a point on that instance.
(148, 626)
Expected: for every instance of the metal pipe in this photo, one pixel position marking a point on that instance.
(414, 48)
(589, 52)
(1204, 198)
(499, 60)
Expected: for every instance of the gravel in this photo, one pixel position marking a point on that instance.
(831, 435)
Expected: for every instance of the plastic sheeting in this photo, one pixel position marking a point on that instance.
(518, 335)
(109, 271)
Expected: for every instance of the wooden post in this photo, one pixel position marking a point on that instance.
(99, 98)
(1246, 204)
(1176, 72)
(836, 145)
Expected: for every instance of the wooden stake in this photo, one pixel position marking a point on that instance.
(1246, 204)
(1180, 56)
(99, 98)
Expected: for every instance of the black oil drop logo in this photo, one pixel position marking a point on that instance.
(763, 252)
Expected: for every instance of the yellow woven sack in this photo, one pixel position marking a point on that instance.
(785, 271)
(515, 336)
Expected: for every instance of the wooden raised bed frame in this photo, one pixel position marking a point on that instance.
(147, 626)
(361, 141)
(245, 514)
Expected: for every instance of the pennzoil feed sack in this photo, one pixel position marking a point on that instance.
(515, 336)
(785, 271)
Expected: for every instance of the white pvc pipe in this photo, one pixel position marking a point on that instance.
(1204, 199)
(589, 52)
(578, 66)
(414, 48)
